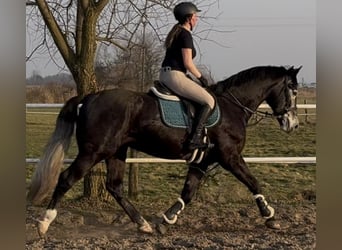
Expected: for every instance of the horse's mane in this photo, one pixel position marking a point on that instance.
(246, 76)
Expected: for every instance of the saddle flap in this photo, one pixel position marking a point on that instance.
(175, 114)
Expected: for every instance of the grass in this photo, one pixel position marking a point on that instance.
(291, 183)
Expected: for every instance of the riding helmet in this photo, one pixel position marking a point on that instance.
(183, 9)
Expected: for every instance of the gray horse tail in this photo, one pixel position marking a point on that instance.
(47, 171)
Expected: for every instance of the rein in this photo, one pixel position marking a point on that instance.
(261, 114)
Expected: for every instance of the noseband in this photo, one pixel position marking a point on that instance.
(293, 96)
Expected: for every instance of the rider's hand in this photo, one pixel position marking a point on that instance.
(203, 81)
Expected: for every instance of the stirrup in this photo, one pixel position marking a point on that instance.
(198, 153)
(202, 144)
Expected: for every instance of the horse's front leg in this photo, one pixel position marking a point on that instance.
(237, 166)
(191, 184)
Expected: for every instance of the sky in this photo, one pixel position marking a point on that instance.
(249, 33)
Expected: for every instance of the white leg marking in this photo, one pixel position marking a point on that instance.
(145, 227)
(45, 221)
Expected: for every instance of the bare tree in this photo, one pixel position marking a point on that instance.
(135, 68)
(75, 28)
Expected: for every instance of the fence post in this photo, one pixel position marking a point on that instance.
(306, 113)
(133, 177)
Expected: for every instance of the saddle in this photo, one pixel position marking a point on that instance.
(179, 112)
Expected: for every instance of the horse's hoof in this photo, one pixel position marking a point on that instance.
(145, 228)
(44, 222)
(161, 228)
(42, 227)
(273, 224)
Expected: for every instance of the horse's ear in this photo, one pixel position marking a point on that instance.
(294, 71)
(297, 69)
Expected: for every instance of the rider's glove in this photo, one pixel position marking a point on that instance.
(203, 81)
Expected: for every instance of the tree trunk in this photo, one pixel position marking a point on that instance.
(85, 83)
(84, 74)
(95, 181)
(95, 184)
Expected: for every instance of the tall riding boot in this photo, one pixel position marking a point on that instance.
(196, 140)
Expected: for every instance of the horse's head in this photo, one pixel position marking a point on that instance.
(283, 100)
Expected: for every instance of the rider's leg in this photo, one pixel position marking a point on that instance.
(187, 88)
(196, 138)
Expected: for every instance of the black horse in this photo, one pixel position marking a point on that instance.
(110, 121)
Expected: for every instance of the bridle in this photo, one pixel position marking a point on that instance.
(260, 115)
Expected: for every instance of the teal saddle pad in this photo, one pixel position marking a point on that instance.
(174, 114)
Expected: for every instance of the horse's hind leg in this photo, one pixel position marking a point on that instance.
(191, 184)
(114, 185)
(78, 169)
(239, 169)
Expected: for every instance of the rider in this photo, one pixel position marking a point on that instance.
(178, 60)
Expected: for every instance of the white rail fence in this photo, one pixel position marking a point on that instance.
(282, 160)
(60, 105)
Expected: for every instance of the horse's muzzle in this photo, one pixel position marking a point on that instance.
(289, 121)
